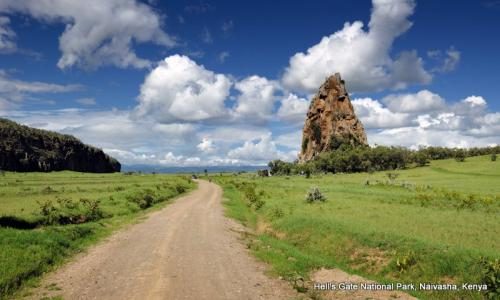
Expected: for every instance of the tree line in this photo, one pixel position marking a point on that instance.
(348, 159)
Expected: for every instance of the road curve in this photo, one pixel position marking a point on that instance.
(188, 250)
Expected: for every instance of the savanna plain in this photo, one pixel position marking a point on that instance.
(436, 224)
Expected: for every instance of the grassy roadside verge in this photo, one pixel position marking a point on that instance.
(425, 226)
(46, 218)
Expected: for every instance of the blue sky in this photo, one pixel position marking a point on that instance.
(228, 82)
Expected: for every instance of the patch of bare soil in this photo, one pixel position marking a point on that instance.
(369, 259)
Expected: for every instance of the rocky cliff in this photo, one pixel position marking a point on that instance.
(26, 149)
(331, 121)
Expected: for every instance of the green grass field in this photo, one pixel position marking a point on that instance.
(47, 217)
(430, 224)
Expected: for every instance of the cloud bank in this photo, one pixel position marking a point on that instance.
(97, 32)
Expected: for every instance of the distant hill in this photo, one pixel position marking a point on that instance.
(210, 169)
(26, 149)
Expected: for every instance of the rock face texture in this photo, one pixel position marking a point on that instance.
(25, 149)
(331, 121)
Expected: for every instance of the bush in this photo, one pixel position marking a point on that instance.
(494, 157)
(315, 195)
(66, 211)
(392, 176)
(460, 155)
(468, 202)
(93, 210)
(144, 199)
(277, 213)
(48, 212)
(308, 173)
(258, 204)
(179, 188)
(279, 167)
(421, 159)
(404, 262)
(48, 190)
(250, 194)
(491, 277)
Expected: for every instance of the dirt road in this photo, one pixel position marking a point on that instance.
(188, 250)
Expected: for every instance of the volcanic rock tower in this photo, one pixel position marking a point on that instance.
(331, 121)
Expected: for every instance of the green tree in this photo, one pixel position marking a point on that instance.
(460, 155)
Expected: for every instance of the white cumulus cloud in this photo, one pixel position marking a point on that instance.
(180, 89)
(475, 101)
(374, 115)
(255, 102)
(171, 159)
(206, 145)
(97, 32)
(261, 151)
(293, 109)
(466, 123)
(419, 102)
(361, 56)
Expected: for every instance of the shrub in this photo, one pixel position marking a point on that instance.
(392, 176)
(48, 212)
(494, 157)
(314, 195)
(144, 199)
(469, 202)
(179, 188)
(421, 159)
(404, 262)
(48, 190)
(277, 213)
(460, 155)
(250, 194)
(66, 211)
(279, 167)
(491, 277)
(258, 204)
(93, 210)
(424, 199)
(308, 173)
